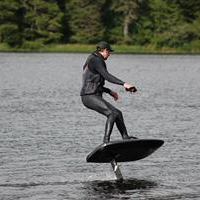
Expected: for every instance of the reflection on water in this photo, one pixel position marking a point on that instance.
(109, 189)
(131, 188)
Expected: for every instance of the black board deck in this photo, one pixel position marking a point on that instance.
(124, 150)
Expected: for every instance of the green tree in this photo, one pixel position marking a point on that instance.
(85, 21)
(43, 21)
(128, 9)
(142, 32)
(30, 20)
(189, 9)
(165, 17)
(10, 23)
(65, 29)
(173, 24)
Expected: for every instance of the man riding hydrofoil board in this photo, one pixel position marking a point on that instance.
(94, 75)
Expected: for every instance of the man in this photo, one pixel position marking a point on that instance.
(94, 75)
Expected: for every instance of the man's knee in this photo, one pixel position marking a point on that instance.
(118, 113)
(115, 114)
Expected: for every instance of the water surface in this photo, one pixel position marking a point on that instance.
(46, 133)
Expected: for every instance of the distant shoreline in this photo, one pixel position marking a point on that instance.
(86, 48)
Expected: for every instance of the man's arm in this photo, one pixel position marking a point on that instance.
(106, 90)
(109, 77)
(106, 75)
(111, 93)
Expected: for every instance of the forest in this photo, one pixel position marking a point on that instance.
(154, 23)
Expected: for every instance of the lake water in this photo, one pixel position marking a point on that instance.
(46, 133)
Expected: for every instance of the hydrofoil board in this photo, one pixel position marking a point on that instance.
(124, 150)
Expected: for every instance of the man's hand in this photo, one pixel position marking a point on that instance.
(114, 95)
(129, 87)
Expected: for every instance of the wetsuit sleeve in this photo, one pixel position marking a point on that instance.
(106, 90)
(106, 75)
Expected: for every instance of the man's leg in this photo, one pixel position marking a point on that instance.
(109, 127)
(98, 104)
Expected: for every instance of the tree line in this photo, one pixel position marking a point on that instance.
(173, 23)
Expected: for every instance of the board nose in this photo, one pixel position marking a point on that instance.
(158, 143)
(161, 142)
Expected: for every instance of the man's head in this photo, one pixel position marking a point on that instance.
(104, 49)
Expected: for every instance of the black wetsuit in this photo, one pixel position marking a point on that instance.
(94, 75)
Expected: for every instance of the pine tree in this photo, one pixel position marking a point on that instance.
(30, 20)
(43, 21)
(65, 30)
(165, 17)
(85, 21)
(128, 9)
(190, 9)
(10, 23)
(173, 23)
